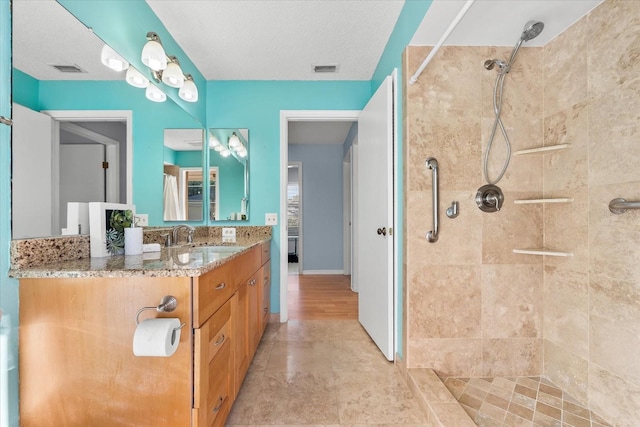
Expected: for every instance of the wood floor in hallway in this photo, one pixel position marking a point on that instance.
(321, 297)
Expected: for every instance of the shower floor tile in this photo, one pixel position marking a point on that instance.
(521, 401)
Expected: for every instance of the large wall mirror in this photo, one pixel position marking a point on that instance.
(41, 200)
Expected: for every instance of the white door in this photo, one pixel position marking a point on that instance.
(32, 162)
(375, 217)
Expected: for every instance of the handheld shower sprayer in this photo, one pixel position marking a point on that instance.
(531, 29)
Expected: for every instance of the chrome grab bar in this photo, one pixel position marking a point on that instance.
(620, 205)
(432, 163)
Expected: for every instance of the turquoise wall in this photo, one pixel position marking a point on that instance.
(256, 105)
(408, 22)
(230, 183)
(28, 95)
(8, 286)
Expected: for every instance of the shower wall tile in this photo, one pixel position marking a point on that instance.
(614, 323)
(512, 301)
(460, 239)
(566, 228)
(446, 302)
(567, 370)
(565, 69)
(566, 305)
(614, 239)
(567, 169)
(448, 357)
(613, 46)
(614, 130)
(511, 357)
(613, 397)
(456, 147)
(514, 226)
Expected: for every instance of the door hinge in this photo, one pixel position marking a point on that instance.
(105, 165)
(390, 231)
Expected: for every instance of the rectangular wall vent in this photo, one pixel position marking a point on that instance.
(68, 68)
(327, 68)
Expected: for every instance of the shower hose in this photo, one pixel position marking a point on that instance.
(497, 109)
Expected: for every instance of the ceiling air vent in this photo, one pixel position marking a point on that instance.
(327, 68)
(68, 68)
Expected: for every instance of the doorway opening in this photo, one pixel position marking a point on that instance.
(294, 218)
(309, 261)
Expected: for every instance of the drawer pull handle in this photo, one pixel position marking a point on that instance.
(266, 309)
(220, 340)
(220, 402)
(221, 286)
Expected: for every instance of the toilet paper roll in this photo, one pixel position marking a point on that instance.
(133, 241)
(157, 337)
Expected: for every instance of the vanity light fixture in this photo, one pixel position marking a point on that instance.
(172, 75)
(213, 142)
(153, 55)
(154, 94)
(225, 152)
(111, 59)
(189, 90)
(234, 141)
(136, 79)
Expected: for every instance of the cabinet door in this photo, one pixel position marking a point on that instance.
(242, 349)
(265, 297)
(213, 389)
(254, 320)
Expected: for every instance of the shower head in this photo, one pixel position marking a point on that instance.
(532, 29)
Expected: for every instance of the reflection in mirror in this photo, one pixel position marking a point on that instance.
(184, 183)
(229, 164)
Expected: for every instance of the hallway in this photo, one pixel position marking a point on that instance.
(321, 368)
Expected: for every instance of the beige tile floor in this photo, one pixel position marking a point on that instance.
(323, 373)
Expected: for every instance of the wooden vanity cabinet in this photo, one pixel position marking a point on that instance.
(77, 366)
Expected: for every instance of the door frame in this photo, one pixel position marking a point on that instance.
(287, 116)
(90, 116)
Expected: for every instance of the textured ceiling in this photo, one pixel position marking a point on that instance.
(281, 40)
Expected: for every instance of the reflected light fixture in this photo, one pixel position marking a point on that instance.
(154, 94)
(136, 79)
(234, 141)
(225, 152)
(111, 59)
(153, 55)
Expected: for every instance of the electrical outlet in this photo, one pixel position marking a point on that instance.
(271, 219)
(141, 220)
(228, 234)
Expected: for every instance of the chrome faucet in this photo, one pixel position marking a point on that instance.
(176, 229)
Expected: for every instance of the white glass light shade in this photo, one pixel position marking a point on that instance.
(213, 142)
(225, 153)
(234, 141)
(188, 91)
(111, 59)
(154, 94)
(153, 56)
(136, 79)
(219, 148)
(242, 152)
(172, 75)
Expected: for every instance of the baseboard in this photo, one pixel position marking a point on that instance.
(322, 271)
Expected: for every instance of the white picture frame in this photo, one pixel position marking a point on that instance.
(99, 223)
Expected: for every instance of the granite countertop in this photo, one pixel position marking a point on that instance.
(177, 261)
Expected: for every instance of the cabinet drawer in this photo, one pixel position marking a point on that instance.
(211, 291)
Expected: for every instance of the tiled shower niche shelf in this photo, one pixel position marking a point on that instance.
(542, 150)
(535, 201)
(542, 252)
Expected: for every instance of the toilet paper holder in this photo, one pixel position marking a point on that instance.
(168, 303)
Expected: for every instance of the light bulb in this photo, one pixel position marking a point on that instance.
(154, 94)
(111, 59)
(225, 153)
(153, 55)
(136, 79)
(172, 75)
(234, 141)
(189, 90)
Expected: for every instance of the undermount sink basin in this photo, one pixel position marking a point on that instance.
(221, 248)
